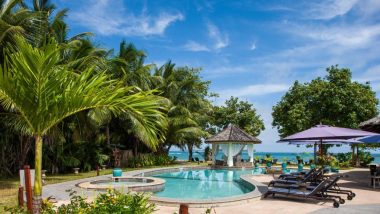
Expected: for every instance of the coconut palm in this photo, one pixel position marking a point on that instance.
(39, 92)
(15, 18)
(183, 87)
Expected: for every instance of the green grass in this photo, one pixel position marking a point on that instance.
(9, 186)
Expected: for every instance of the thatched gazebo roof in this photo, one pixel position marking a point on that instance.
(233, 134)
(372, 125)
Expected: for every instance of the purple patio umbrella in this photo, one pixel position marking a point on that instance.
(323, 134)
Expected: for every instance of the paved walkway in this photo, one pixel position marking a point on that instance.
(367, 200)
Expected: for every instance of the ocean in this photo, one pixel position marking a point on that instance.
(183, 155)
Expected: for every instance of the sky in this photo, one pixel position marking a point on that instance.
(254, 50)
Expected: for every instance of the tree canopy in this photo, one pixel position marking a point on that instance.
(333, 100)
(240, 113)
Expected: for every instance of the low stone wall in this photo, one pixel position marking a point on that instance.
(150, 184)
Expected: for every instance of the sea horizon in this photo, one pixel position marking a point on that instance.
(280, 156)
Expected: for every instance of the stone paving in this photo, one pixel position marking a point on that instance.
(367, 199)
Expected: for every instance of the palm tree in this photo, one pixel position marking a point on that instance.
(15, 18)
(183, 87)
(39, 92)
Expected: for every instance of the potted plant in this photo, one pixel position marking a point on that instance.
(102, 160)
(284, 163)
(76, 170)
(312, 165)
(117, 172)
(299, 159)
(268, 161)
(300, 166)
(334, 166)
(257, 162)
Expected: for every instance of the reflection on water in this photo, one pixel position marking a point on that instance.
(205, 184)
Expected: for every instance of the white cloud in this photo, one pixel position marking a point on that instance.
(353, 35)
(195, 46)
(372, 74)
(369, 7)
(220, 40)
(330, 9)
(253, 46)
(254, 90)
(108, 17)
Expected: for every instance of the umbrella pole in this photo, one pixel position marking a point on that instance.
(315, 153)
(353, 155)
(357, 156)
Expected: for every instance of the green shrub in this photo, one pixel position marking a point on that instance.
(344, 157)
(110, 202)
(207, 153)
(345, 164)
(146, 160)
(365, 158)
(327, 160)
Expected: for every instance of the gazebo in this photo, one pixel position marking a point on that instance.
(232, 141)
(371, 125)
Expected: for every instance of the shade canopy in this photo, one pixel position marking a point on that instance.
(324, 141)
(321, 132)
(233, 134)
(369, 139)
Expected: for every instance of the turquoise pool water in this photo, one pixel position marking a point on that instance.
(205, 183)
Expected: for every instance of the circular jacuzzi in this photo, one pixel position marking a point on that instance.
(137, 184)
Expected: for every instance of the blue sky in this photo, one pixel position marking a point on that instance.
(251, 49)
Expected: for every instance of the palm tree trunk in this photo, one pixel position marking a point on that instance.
(37, 196)
(135, 147)
(168, 149)
(108, 134)
(190, 148)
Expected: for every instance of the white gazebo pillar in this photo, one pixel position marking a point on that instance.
(214, 151)
(230, 161)
(250, 152)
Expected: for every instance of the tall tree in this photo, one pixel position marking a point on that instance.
(39, 93)
(189, 106)
(240, 113)
(334, 100)
(15, 19)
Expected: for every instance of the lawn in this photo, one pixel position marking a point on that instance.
(9, 187)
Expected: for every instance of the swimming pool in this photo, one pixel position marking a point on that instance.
(205, 183)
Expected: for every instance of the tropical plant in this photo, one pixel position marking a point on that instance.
(327, 160)
(111, 201)
(189, 109)
(240, 113)
(15, 19)
(365, 158)
(148, 160)
(323, 101)
(39, 92)
(207, 153)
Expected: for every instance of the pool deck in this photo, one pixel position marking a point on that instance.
(367, 199)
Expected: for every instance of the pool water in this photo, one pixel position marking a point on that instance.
(205, 183)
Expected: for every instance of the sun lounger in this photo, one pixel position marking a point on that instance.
(296, 175)
(333, 187)
(318, 193)
(310, 177)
